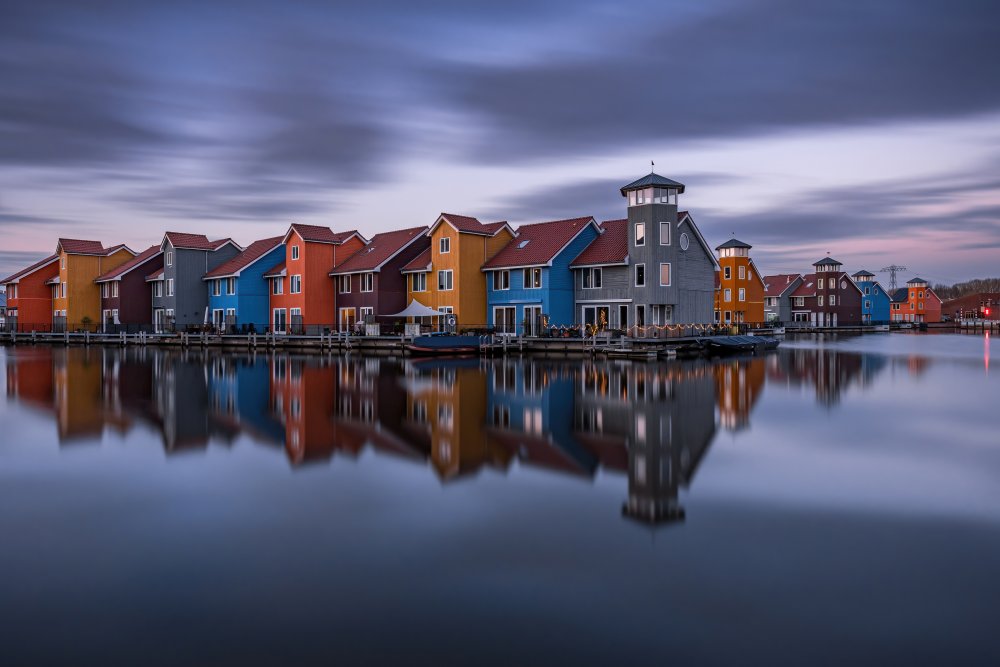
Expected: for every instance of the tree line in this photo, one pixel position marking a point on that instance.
(958, 290)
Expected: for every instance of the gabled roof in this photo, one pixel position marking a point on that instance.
(863, 274)
(155, 275)
(419, 264)
(379, 250)
(808, 286)
(654, 180)
(13, 278)
(901, 294)
(733, 243)
(277, 271)
(684, 215)
(608, 249)
(827, 261)
(185, 241)
(119, 271)
(468, 225)
(253, 252)
(319, 234)
(538, 244)
(115, 248)
(81, 247)
(778, 284)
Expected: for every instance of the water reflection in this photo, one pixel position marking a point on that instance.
(650, 423)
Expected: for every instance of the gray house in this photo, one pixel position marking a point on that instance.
(653, 268)
(180, 299)
(778, 296)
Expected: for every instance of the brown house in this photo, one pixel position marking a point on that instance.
(126, 299)
(978, 306)
(369, 285)
(838, 298)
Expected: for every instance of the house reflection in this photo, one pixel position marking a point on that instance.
(830, 373)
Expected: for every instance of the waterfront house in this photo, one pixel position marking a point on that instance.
(76, 297)
(601, 286)
(238, 292)
(916, 302)
(179, 297)
(778, 291)
(29, 297)
(977, 306)
(370, 286)
(448, 276)
(739, 291)
(529, 283)
(3, 310)
(875, 299)
(303, 298)
(803, 302)
(126, 299)
(838, 297)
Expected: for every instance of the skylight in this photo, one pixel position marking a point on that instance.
(523, 243)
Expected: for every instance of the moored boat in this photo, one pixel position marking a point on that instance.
(444, 343)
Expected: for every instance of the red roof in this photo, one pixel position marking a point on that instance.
(379, 250)
(116, 248)
(611, 247)
(538, 243)
(808, 286)
(275, 271)
(190, 241)
(31, 269)
(776, 284)
(221, 242)
(155, 275)
(318, 234)
(469, 225)
(254, 251)
(117, 272)
(421, 262)
(78, 247)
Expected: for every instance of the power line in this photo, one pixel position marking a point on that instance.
(892, 270)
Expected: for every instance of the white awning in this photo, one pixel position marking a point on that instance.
(416, 309)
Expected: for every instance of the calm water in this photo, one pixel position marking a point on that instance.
(836, 502)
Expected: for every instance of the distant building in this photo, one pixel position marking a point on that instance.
(778, 290)
(238, 292)
(875, 300)
(979, 306)
(916, 302)
(739, 290)
(838, 298)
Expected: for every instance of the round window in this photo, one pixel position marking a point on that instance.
(685, 241)
(843, 284)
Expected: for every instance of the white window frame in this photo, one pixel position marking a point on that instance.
(278, 286)
(742, 294)
(635, 274)
(670, 274)
(727, 273)
(217, 287)
(230, 286)
(170, 258)
(444, 245)
(501, 280)
(421, 284)
(528, 278)
(665, 226)
(593, 276)
(368, 282)
(449, 283)
(637, 227)
(292, 284)
(274, 320)
(344, 284)
(170, 286)
(833, 300)
(295, 252)
(727, 295)
(363, 311)
(742, 272)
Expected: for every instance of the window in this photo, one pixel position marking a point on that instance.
(868, 290)
(367, 282)
(170, 314)
(592, 278)
(800, 301)
(158, 288)
(114, 290)
(445, 245)
(532, 278)
(295, 284)
(727, 272)
(277, 286)
(366, 313)
(230, 285)
(501, 280)
(419, 282)
(685, 241)
(743, 294)
(295, 252)
(664, 233)
(231, 314)
(104, 291)
(729, 316)
(445, 280)
(664, 275)
(170, 258)
(743, 273)
(344, 284)
(843, 284)
(62, 290)
(833, 283)
(640, 233)
(640, 275)
(819, 300)
(727, 295)
(833, 300)
(868, 305)
(62, 262)
(920, 294)
(216, 289)
(170, 286)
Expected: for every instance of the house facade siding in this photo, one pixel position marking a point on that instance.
(189, 299)
(134, 302)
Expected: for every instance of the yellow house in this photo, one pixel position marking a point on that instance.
(448, 276)
(76, 298)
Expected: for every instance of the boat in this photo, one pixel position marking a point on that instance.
(735, 344)
(445, 343)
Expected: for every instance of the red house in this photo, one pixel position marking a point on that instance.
(29, 298)
(126, 299)
(369, 283)
(838, 297)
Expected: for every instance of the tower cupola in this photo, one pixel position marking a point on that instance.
(652, 189)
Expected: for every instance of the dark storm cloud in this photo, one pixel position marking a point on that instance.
(751, 68)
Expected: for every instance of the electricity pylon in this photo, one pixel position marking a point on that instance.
(892, 270)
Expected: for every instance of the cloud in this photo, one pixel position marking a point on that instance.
(12, 261)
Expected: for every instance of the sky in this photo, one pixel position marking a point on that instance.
(867, 130)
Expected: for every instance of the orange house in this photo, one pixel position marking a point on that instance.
(916, 302)
(739, 287)
(29, 297)
(448, 277)
(303, 298)
(77, 298)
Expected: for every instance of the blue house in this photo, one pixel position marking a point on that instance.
(529, 283)
(238, 293)
(875, 299)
